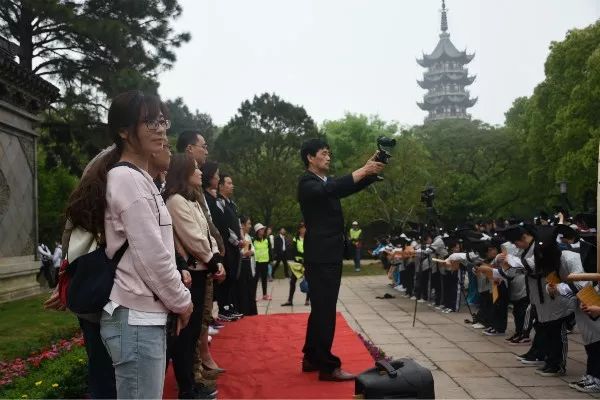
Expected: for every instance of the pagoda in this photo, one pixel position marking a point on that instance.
(446, 78)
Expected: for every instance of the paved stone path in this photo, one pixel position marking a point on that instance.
(464, 363)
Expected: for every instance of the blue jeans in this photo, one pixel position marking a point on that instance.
(138, 354)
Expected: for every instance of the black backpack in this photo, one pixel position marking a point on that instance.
(93, 274)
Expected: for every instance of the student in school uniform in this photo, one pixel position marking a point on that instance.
(451, 281)
(539, 257)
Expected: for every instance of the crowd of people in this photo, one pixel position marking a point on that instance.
(523, 264)
(184, 244)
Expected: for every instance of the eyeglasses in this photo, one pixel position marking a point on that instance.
(204, 146)
(153, 125)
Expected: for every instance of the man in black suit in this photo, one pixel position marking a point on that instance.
(319, 197)
(281, 253)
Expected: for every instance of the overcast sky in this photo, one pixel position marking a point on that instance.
(337, 56)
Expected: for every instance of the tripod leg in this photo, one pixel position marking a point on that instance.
(415, 314)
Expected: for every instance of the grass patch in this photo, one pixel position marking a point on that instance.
(64, 377)
(25, 327)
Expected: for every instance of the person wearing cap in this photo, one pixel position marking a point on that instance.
(262, 253)
(355, 235)
(319, 197)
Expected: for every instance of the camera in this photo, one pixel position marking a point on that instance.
(384, 143)
(428, 196)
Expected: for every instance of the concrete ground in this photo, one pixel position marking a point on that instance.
(464, 362)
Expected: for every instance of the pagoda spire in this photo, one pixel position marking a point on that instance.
(444, 17)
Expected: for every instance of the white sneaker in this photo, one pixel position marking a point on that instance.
(212, 331)
(402, 288)
(413, 298)
(420, 301)
(398, 288)
(478, 326)
(591, 387)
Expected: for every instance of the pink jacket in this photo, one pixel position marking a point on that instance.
(136, 211)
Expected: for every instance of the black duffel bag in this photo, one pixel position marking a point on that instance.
(399, 379)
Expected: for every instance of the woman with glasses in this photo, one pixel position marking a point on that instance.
(147, 284)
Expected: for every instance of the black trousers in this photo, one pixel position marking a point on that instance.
(409, 279)
(422, 289)
(101, 373)
(286, 266)
(500, 309)
(530, 319)
(485, 313)
(293, 281)
(436, 284)
(246, 289)
(593, 359)
(183, 347)
(519, 312)
(226, 291)
(324, 285)
(262, 271)
(556, 343)
(451, 290)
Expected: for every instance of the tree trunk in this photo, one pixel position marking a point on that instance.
(25, 38)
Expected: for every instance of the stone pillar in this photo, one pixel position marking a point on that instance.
(18, 203)
(23, 95)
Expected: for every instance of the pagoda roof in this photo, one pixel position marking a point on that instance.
(461, 100)
(445, 50)
(430, 80)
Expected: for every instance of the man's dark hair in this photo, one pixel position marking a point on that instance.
(222, 178)
(186, 138)
(311, 147)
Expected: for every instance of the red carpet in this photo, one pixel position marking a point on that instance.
(263, 354)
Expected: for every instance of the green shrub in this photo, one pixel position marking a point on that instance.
(64, 377)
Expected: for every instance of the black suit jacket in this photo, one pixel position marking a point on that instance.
(278, 244)
(322, 211)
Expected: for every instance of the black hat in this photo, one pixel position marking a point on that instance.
(586, 220)
(512, 233)
(567, 232)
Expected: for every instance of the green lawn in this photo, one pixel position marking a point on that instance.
(25, 327)
(374, 268)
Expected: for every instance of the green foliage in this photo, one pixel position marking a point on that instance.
(25, 327)
(260, 148)
(392, 202)
(559, 125)
(55, 184)
(183, 119)
(94, 46)
(64, 377)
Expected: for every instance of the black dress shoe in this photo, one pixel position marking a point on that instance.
(287, 304)
(338, 375)
(307, 366)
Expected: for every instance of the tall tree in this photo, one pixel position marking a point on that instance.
(94, 47)
(183, 119)
(260, 148)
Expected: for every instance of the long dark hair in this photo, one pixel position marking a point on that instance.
(87, 203)
(181, 168)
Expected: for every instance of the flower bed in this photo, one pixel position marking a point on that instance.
(56, 372)
(374, 350)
